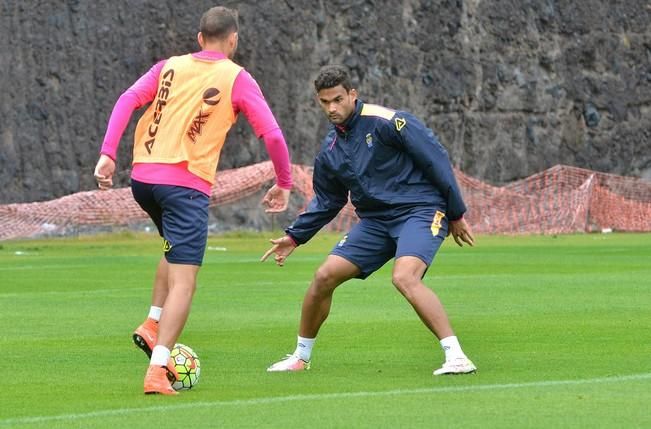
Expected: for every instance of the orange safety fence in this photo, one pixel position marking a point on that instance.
(558, 200)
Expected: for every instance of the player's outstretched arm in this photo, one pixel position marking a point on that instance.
(276, 199)
(282, 247)
(461, 232)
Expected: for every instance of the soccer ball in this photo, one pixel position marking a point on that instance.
(188, 366)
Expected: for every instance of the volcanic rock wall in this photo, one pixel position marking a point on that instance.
(511, 86)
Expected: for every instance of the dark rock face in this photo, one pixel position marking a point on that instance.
(512, 87)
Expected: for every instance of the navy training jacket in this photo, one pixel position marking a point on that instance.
(388, 160)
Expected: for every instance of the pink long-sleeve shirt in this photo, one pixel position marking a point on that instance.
(246, 97)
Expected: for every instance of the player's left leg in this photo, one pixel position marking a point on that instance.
(184, 226)
(420, 237)
(146, 335)
(406, 277)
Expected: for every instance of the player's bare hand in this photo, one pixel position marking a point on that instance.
(461, 232)
(104, 171)
(276, 199)
(282, 247)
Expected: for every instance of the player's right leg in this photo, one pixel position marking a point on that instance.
(182, 284)
(362, 251)
(318, 297)
(156, 381)
(316, 307)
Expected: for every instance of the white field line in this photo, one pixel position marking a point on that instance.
(119, 412)
(43, 267)
(112, 292)
(126, 290)
(206, 261)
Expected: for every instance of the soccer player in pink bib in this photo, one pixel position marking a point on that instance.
(194, 100)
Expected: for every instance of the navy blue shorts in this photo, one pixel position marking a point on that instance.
(374, 241)
(181, 216)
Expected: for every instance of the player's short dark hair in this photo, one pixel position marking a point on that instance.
(218, 23)
(331, 76)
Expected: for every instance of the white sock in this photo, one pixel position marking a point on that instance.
(155, 312)
(304, 348)
(159, 356)
(452, 348)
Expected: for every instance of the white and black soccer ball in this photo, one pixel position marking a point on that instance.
(188, 366)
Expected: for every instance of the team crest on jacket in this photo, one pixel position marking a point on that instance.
(369, 140)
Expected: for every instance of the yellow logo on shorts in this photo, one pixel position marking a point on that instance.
(167, 246)
(436, 223)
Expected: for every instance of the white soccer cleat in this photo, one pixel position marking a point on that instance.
(461, 365)
(290, 363)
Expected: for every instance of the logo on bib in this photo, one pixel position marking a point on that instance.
(210, 96)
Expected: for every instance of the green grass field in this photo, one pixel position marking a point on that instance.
(559, 328)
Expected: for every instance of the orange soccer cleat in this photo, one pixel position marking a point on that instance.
(156, 381)
(145, 336)
(172, 373)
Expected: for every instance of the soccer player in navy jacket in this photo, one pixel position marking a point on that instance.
(402, 185)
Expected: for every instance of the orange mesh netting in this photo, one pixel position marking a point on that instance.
(559, 200)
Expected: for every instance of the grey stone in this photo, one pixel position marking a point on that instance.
(503, 82)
